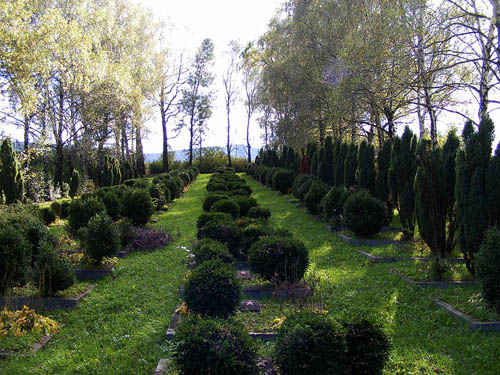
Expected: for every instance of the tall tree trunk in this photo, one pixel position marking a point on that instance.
(141, 168)
(164, 131)
(249, 149)
(58, 178)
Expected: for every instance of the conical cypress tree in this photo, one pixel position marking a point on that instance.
(402, 178)
(492, 187)
(366, 166)
(284, 155)
(325, 171)
(381, 190)
(350, 166)
(117, 174)
(473, 210)
(434, 198)
(11, 177)
(315, 163)
(339, 160)
(107, 172)
(74, 183)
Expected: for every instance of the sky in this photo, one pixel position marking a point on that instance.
(189, 22)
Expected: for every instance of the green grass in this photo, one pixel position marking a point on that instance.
(119, 328)
(18, 344)
(421, 271)
(425, 339)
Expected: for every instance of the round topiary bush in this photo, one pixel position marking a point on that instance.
(242, 192)
(333, 205)
(82, 210)
(65, 209)
(52, 272)
(364, 214)
(56, 206)
(157, 196)
(297, 183)
(314, 197)
(283, 180)
(269, 177)
(304, 188)
(208, 249)
(138, 206)
(101, 237)
(309, 343)
(15, 253)
(174, 185)
(48, 215)
(220, 217)
(186, 178)
(251, 234)
(259, 213)
(227, 205)
(213, 290)
(211, 198)
(285, 259)
(223, 231)
(112, 202)
(487, 263)
(245, 203)
(208, 347)
(367, 348)
(214, 186)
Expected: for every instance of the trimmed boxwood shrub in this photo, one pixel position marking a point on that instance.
(15, 255)
(186, 179)
(487, 263)
(211, 198)
(223, 231)
(56, 207)
(101, 237)
(65, 209)
(174, 185)
(364, 214)
(82, 210)
(157, 196)
(309, 341)
(303, 189)
(52, 272)
(208, 249)
(213, 290)
(48, 215)
(219, 217)
(285, 259)
(251, 234)
(259, 213)
(314, 197)
(208, 347)
(245, 203)
(227, 205)
(138, 206)
(283, 180)
(333, 204)
(367, 348)
(216, 185)
(111, 201)
(269, 177)
(241, 192)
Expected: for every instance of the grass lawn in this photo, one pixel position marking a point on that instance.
(120, 327)
(425, 339)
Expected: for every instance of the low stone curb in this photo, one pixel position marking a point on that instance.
(32, 349)
(16, 303)
(376, 259)
(91, 274)
(267, 292)
(436, 284)
(471, 323)
(364, 242)
(122, 254)
(265, 366)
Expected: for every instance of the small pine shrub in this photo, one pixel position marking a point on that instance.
(314, 197)
(245, 203)
(48, 215)
(210, 199)
(269, 177)
(227, 205)
(15, 253)
(259, 213)
(208, 249)
(138, 206)
(213, 290)
(208, 347)
(487, 263)
(126, 230)
(285, 259)
(52, 272)
(364, 214)
(101, 237)
(367, 348)
(297, 182)
(251, 234)
(304, 188)
(82, 210)
(74, 183)
(173, 184)
(158, 196)
(205, 217)
(186, 178)
(283, 180)
(309, 341)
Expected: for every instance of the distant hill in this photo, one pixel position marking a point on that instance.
(182, 155)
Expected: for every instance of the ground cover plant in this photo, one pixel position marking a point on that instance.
(425, 340)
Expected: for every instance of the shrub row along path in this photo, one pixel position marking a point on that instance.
(120, 327)
(425, 340)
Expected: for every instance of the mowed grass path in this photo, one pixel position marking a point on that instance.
(120, 327)
(425, 339)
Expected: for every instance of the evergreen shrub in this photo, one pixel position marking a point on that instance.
(82, 210)
(364, 214)
(208, 249)
(52, 272)
(101, 237)
(487, 263)
(314, 197)
(245, 203)
(259, 213)
(15, 253)
(48, 215)
(283, 180)
(138, 206)
(228, 206)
